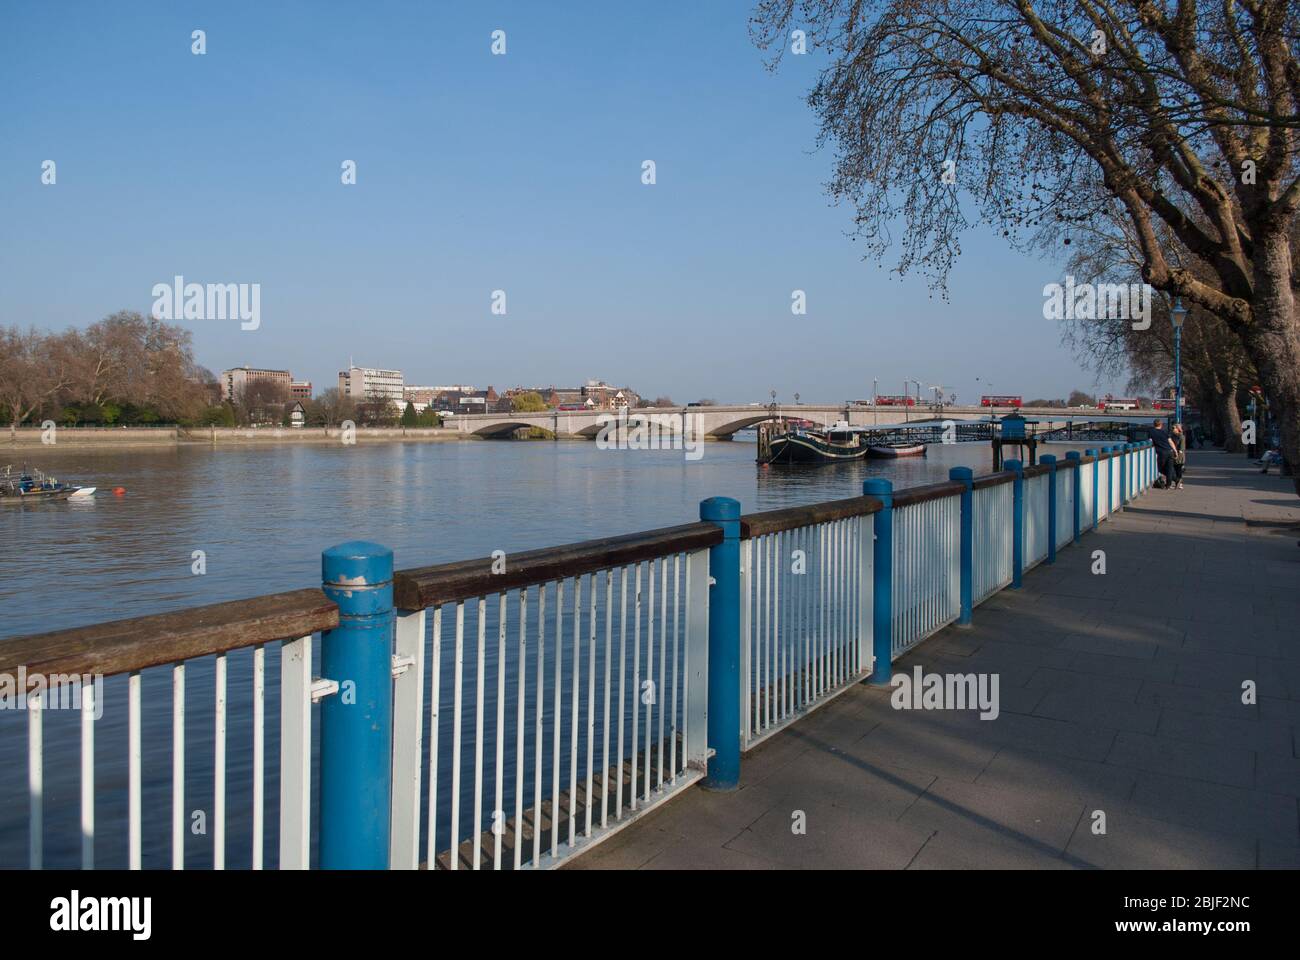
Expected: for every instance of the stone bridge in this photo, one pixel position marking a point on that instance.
(723, 422)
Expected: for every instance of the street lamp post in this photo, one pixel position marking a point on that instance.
(1177, 314)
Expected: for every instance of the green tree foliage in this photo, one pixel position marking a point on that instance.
(530, 402)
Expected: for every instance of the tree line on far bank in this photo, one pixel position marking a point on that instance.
(132, 370)
(124, 369)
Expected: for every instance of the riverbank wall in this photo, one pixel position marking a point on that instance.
(34, 438)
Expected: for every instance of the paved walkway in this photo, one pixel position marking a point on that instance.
(1120, 693)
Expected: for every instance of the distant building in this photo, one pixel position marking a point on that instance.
(606, 397)
(420, 396)
(593, 395)
(297, 415)
(236, 380)
(369, 383)
(300, 390)
(464, 401)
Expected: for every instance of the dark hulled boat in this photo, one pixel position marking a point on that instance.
(834, 445)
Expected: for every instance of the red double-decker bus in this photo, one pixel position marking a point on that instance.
(1117, 403)
(988, 401)
(895, 400)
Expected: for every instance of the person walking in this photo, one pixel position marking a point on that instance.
(1180, 455)
(1164, 447)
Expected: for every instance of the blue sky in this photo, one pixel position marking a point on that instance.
(475, 173)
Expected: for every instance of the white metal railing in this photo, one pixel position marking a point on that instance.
(1036, 492)
(1104, 470)
(195, 810)
(927, 570)
(1065, 482)
(992, 538)
(586, 697)
(805, 620)
(1086, 498)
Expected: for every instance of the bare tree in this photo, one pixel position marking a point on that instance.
(110, 360)
(1214, 361)
(34, 367)
(1186, 114)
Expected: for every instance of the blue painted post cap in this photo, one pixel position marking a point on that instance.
(1048, 460)
(356, 560)
(1014, 465)
(962, 475)
(1073, 455)
(720, 509)
(877, 487)
(358, 576)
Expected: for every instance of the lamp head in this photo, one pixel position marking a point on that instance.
(1177, 313)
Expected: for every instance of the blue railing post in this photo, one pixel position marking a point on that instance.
(356, 723)
(966, 477)
(1018, 524)
(1096, 475)
(1049, 461)
(882, 588)
(724, 645)
(1078, 489)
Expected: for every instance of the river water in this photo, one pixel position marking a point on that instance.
(261, 515)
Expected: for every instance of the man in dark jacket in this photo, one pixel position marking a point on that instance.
(1164, 447)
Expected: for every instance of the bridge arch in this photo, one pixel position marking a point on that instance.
(501, 428)
(733, 423)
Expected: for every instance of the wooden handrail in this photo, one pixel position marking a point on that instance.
(126, 645)
(422, 587)
(993, 479)
(790, 518)
(930, 491)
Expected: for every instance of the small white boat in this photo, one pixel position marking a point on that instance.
(25, 485)
(905, 450)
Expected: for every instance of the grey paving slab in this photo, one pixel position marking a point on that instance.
(1279, 856)
(1227, 703)
(988, 817)
(1098, 686)
(1276, 774)
(1261, 734)
(1233, 765)
(1120, 694)
(1138, 843)
(837, 837)
(1080, 705)
(1215, 807)
(1016, 768)
(928, 744)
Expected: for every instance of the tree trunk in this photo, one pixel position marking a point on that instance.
(1227, 419)
(1274, 340)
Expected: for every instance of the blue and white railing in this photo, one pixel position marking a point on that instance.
(511, 712)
